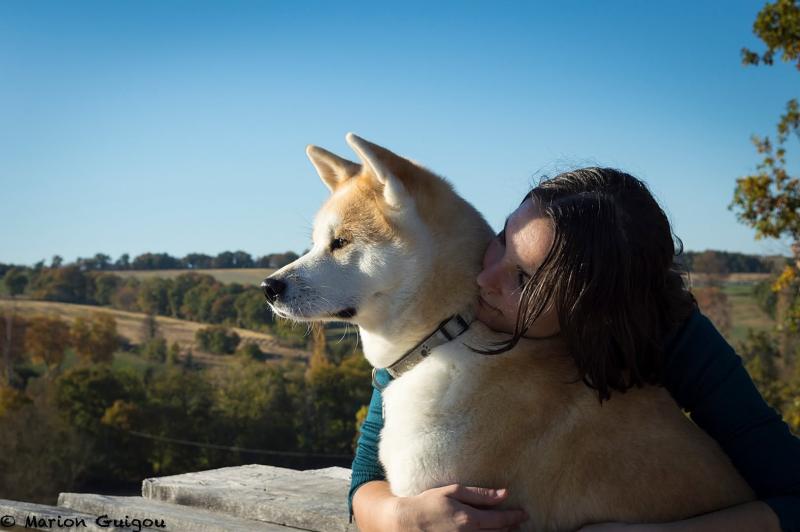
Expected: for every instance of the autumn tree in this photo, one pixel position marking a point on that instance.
(46, 340)
(769, 199)
(95, 340)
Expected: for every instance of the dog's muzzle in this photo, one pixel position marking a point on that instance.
(273, 288)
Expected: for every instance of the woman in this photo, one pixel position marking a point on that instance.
(589, 255)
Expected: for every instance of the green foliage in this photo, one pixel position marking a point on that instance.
(766, 297)
(15, 280)
(333, 394)
(252, 311)
(291, 333)
(769, 199)
(173, 354)
(155, 349)
(153, 296)
(721, 262)
(155, 261)
(257, 404)
(41, 455)
(778, 26)
(179, 405)
(126, 295)
(84, 395)
(217, 339)
(46, 340)
(105, 284)
(95, 339)
(250, 351)
(67, 284)
(776, 375)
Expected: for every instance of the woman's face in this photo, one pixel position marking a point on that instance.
(510, 260)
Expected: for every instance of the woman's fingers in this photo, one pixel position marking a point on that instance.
(478, 517)
(474, 496)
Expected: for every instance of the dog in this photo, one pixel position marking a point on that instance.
(396, 251)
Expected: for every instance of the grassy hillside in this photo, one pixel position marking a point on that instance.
(745, 312)
(131, 326)
(245, 276)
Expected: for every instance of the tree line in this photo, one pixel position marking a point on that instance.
(189, 296)
(165, 261)
(720, 262)
(99, 422)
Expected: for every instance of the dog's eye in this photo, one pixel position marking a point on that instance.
(338, 243)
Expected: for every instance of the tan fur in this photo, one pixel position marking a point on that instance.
(570, 460)
(520, 419)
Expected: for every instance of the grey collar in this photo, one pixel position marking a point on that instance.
(447, 331)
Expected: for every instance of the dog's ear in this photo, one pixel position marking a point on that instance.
(380, 161)
(333, 170)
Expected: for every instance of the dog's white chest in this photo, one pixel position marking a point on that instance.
(425, 422)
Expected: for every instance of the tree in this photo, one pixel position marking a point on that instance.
(149, 328)
(56, 261)
(15, 281)
(769, 200)
(194, 261)
(155, 349)
(95, 340)
(242, 259)
(123, 262)
(217, 339)
(67, 284)
(105, 284)
(174, 354)
(224, 260)
(46, 339)
(81, 333)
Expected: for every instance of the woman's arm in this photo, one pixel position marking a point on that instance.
(442, 509)
(706, 378)
(366, 467)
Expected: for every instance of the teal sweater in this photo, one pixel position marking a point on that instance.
(707, 379)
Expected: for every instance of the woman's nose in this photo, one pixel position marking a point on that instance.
(487, 276)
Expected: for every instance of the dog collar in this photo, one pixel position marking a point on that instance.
(447, 331)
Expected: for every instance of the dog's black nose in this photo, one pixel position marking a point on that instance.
(272, 288)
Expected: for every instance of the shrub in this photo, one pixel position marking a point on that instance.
(217, 339)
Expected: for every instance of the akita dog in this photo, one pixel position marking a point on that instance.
(396, 251)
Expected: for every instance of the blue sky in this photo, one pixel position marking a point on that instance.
(181, 126)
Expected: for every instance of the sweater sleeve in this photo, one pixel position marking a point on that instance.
(366, 466)
(706, 377)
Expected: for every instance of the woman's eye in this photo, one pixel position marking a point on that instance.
(338, 243)
(522, 277)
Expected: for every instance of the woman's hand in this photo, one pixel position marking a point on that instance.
(456, 507)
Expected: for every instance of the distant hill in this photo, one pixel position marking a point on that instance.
(714, 261)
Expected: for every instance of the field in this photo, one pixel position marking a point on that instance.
(745, 312)
(131, 326)
(245, 276)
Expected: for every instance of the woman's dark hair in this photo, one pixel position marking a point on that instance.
(610, 275)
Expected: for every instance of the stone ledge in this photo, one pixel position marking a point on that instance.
(173, 516)
(41, 513)
(231, 499)
(310, 500)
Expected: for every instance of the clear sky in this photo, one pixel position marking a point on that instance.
(172, 126)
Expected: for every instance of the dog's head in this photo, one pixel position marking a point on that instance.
(378, 242)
